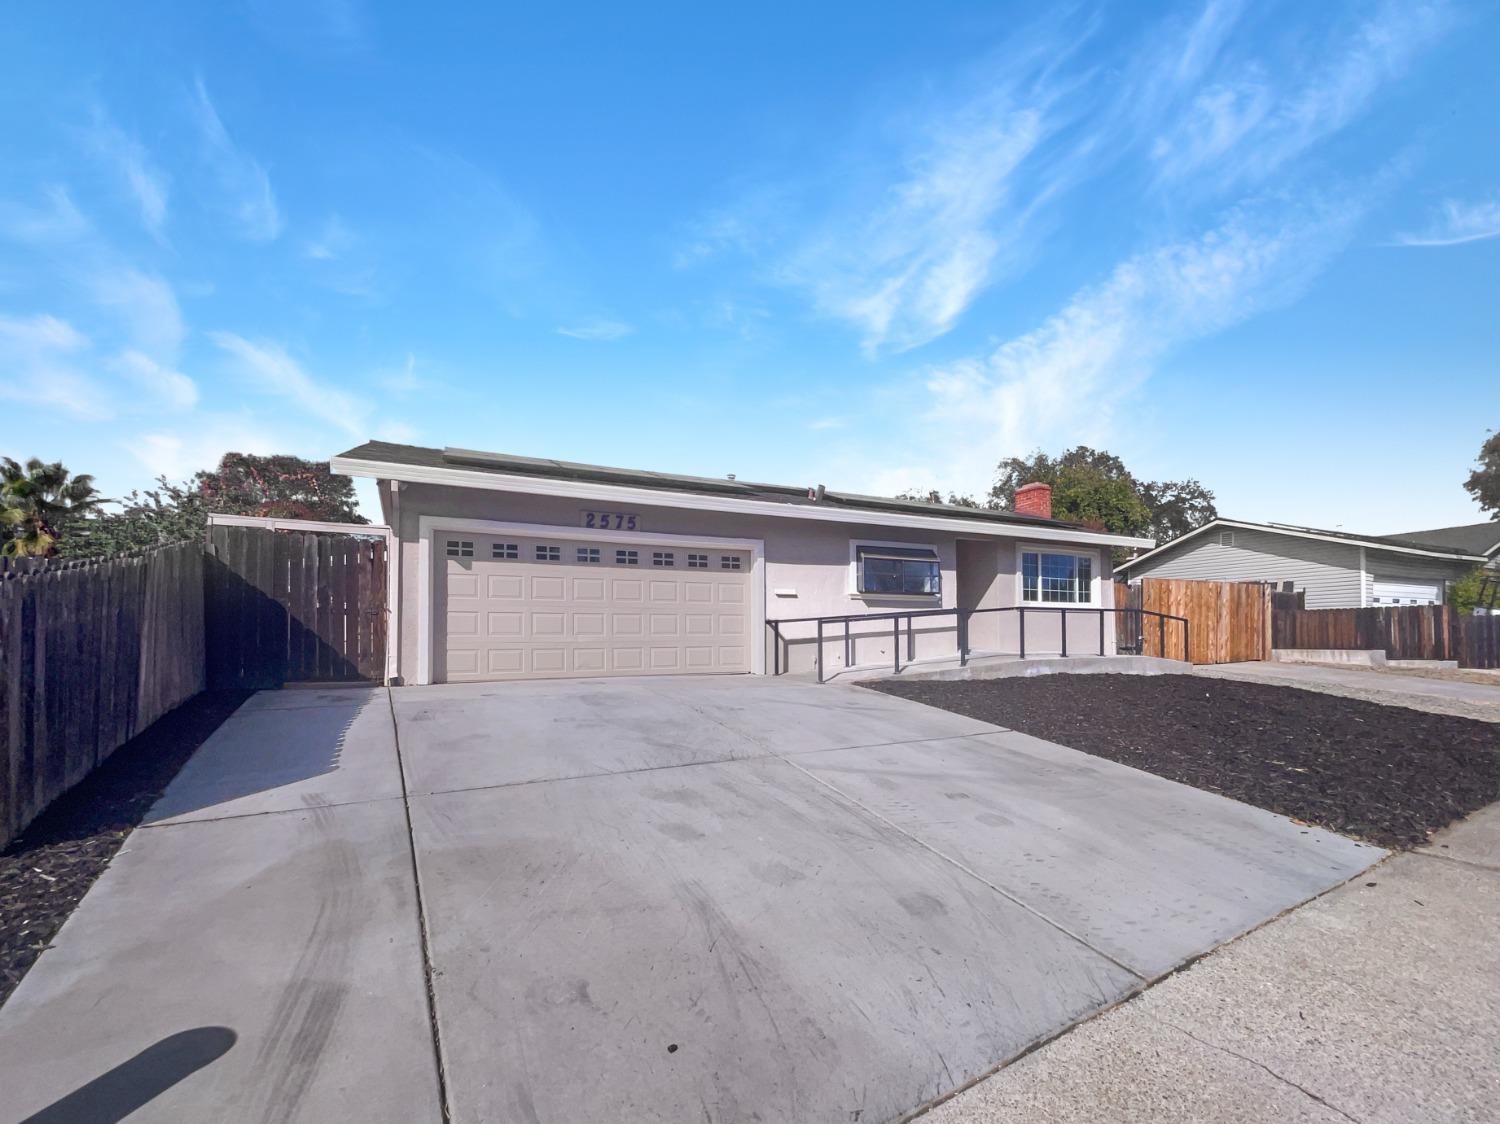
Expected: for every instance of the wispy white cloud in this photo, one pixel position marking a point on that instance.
(144, 180)
(333, 241)
(40, 355)
(56, 220)
(144, 306)
(1457, 222)
(315, 27)
(824, 424)
(1062, 382)
(165, 385)
(1262, 113)
(268, 368)
(179, 452)
(404, 381)
(246, 186)
(597, 329)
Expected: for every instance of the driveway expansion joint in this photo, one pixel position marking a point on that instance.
(416, 878)
(303, 809)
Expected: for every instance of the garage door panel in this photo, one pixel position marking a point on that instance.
(505, 661)
(549, 589)
(462, 623)
(549, 659)
(588, 625)
(506, 625)
(500, 587)
(589, 660)
(548, 624)
(522, 606)
(627, 624)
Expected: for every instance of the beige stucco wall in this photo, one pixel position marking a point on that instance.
(808, 558)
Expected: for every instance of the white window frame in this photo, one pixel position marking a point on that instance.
(429, 527)
(1096, 578)
(933, 599)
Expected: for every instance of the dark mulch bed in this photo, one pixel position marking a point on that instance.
(48, 868)
(1386, 774)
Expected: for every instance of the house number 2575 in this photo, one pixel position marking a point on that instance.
(610, 520)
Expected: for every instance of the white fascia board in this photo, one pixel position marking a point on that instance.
(615, 493)
(1272, 530)
(374, 530)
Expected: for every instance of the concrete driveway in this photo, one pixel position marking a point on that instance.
(655, 899)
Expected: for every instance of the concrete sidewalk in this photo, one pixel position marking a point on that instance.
(1436, 696)
(1379, 1001)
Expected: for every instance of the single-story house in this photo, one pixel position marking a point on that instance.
(512, 567)
(1335, 569)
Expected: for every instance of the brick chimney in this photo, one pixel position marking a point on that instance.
(1034, 499)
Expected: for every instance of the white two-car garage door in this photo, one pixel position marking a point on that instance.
(540, 608)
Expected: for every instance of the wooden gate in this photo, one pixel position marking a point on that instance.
(1228, 622)
(293, 606)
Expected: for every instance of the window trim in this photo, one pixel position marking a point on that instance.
(1096, 576)
(855, 545)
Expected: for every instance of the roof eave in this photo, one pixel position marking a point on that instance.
(580, 489)
(1368, 544)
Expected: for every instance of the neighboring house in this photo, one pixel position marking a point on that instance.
(510, 567)
(1335, 569)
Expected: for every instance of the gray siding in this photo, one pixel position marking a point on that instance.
(1328, 572)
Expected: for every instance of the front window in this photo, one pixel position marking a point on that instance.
(899, 571)
(1065, 579)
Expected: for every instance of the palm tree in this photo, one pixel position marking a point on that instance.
(36, 501)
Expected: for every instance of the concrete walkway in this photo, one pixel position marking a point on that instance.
(1379, 1002)
(663, 899)
(1437, 696)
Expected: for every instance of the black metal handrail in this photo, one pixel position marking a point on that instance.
(963, 617)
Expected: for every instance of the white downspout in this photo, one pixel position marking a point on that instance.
(1364, 590)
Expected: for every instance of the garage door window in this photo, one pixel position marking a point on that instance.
(697, 561)
(588, 555)
(548, 554)
(506, 550)
(662, 558)
(460, 548)
(627, 558)
(729, 562)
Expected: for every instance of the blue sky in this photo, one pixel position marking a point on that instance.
(1258, 244)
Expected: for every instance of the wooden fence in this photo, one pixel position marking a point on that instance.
(294, 606)
(91, 653)
(1402, 632)
(1228, 622)
(1479, 642)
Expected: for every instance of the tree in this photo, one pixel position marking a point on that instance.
(37, 501)
(932, 495)
(1177, 507)
(283, 487)
(1484, 482)
(158, 516)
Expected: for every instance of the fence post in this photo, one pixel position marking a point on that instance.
(848, 647)
(1161, 635)
(1065, 633)
(1187, 648)
(1101, 632)
(820, 650)
(963, 638)
(1022, 611)
(896, 642)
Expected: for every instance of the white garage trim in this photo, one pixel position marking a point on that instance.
(427, 525)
